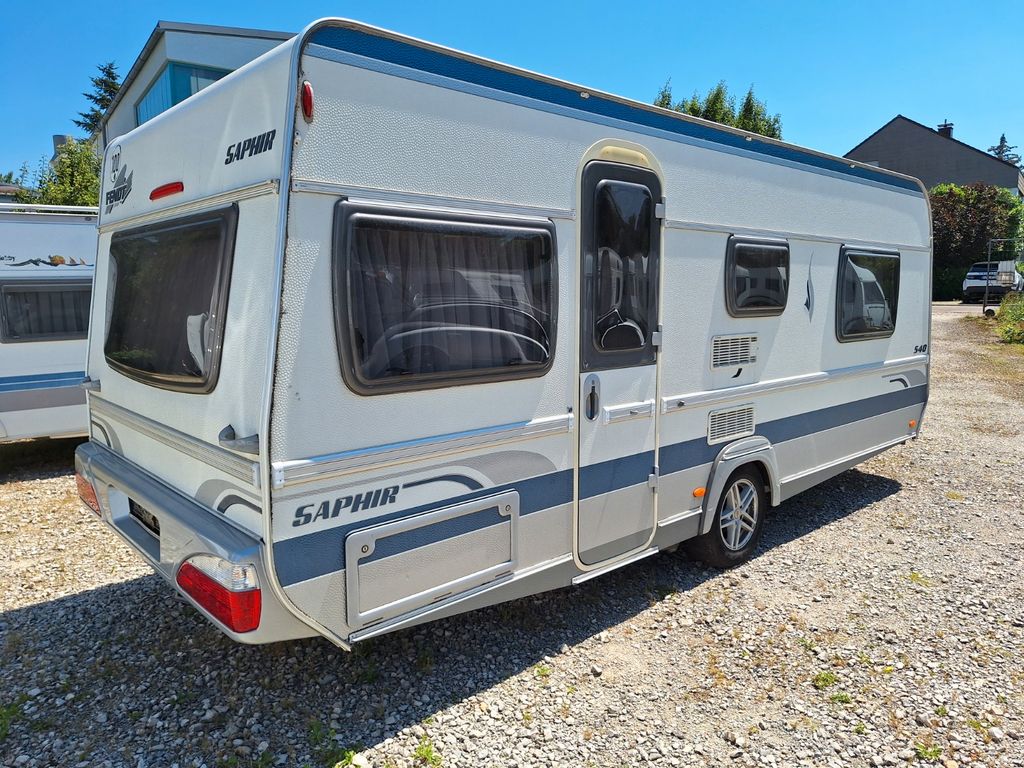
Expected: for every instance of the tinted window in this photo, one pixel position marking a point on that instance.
(869, 286)
(427, 301)
(622, 294)
(167, 299)
(756, 276)
(45, 311)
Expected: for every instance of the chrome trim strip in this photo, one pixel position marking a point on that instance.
(708, 397)
(270, 186)
(612, 566)
(699, 226)
(286, 473)
(419, 198)
(616, 413)
(678, 518)
(225, 461)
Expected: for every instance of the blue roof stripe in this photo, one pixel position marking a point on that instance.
(446, 65)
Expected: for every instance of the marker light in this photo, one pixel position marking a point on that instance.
(87, 493)
(306, 97)
(699, 492)
(166, 190)
(912, 423)
(227, 591)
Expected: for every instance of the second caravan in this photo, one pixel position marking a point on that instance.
(406, 332)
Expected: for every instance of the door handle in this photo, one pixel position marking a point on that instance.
(228, 439)
(591, 397)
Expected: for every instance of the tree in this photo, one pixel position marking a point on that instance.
(719, 106)
(964, 219)
(73, 178)
(104, 87)
(1004, 151)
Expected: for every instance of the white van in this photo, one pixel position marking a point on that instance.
(385, 332)
(47, 255)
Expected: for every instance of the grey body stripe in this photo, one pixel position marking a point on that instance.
(315, 554)
(35, 399)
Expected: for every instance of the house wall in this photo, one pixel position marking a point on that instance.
(918, 151)
(208, 50)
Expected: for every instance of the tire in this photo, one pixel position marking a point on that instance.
(733, 538)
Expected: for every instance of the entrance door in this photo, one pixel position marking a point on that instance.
(620, 267)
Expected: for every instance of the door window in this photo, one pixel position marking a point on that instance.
(620, 266)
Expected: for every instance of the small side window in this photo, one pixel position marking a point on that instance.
(426, 299)
(45, 311)
(756, 276)
(868, 294)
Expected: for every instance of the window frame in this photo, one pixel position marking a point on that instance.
(730, 283)
(591, 356)
(37, 285)
(844, 261)
(345, 215)
(228, 216)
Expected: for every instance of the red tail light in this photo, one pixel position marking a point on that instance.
(166, 190)
(229, 592)
(306, 97)
(87, 493)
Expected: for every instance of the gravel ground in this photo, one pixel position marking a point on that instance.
(880, 624)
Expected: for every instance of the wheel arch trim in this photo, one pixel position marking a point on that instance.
(739, 453)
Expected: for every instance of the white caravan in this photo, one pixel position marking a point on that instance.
(385, 332)
(47, 255)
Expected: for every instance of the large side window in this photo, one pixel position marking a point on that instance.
(756, 276)
(431, 299)
(44, 311)
(869, 288)
(167, 297)
(620, 266)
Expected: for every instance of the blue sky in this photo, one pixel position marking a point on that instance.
(835, 71)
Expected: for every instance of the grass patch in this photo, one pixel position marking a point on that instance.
(842, 697)
(941, 710)
(927, 751)
(955, 496)
(425, 754)
(917, 578)
(542, 671)
(326, 748)
(824, 680)
(1010, 319)
(860, 729)
(8, 714)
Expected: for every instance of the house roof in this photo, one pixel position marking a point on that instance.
(178, 26)
(930, 130)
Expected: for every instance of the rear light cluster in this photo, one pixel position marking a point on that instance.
(227, 591)
(87, 493)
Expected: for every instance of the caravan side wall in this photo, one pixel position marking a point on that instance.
(389, 509)
(46, 270)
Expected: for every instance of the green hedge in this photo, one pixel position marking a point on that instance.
(1010, 319)
(948, 283)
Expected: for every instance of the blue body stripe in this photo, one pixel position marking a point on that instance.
(41, 381)
(322, 552)
(431, 534)
(442, 64)
(316, 554)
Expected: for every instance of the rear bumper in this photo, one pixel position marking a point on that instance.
(186, 528)
(978, 291)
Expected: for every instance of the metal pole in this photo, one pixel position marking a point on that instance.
(988, 275)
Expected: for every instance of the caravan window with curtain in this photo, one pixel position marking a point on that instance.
(756, 276)
(167, 297)
(427, 300)
(45, 311)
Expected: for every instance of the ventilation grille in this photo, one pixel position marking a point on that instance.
(731, 351)
(730, 423)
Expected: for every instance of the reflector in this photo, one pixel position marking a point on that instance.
(87, 493)
(307, 101)
(239, 611)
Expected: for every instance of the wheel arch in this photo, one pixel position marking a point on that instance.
(749, 451)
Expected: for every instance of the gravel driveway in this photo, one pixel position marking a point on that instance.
(882, 623)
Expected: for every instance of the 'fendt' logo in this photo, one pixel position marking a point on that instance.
(120, 178)
(254, 146)
(327, 510)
